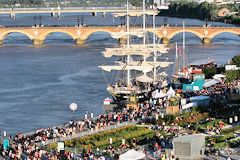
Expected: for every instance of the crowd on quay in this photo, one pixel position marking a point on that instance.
(30, 146)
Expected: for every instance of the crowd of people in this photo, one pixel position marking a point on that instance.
(31, 146)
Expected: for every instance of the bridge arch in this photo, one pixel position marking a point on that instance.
(89, 33)
(223, 31)
(100, 35)
(59, 38)
(170, 36)
(189, 38)
(45, 35)
(4, 34)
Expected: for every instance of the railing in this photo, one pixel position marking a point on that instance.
(117, 25)
(68, 8)
(86, 133)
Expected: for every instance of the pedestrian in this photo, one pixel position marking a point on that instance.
(228, 158)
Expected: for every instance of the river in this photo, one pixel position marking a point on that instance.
(37, 84)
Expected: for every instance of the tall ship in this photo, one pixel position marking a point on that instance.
(138, 65)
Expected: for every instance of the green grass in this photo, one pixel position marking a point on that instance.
(101, 140)
(230, 130)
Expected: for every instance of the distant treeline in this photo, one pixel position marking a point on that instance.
(68, 3)
(204, 10)
(22, 2)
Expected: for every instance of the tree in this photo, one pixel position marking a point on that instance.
(209, 72)
(236, 60)
(232, 75)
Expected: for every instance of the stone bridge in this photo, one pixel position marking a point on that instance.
(81, 33)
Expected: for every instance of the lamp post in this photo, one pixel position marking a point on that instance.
(206, 22)
(35, 20)
(82, 19)
(235, 120)
(40, 20)
(165, 20)
(78, 21)
(121, 19)
(231, 122)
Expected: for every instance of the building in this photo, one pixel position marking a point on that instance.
(157, 2)
(224, 12)
(189, 147)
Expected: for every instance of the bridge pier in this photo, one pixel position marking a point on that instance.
(94, 13)
(38, 42)
(52, 14)
(103, 14)
(0, 42)
(79, 41)
(206, 40)
(165, 40)
(122, 40)
(59, 15)
(12, 15)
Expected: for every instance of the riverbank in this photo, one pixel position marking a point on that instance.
(203, 11)
(165, 127)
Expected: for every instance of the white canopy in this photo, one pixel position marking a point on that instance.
(198, 98)
(219, 76)
(170, 93)
(132, 155)
(144, 78)
(210, 82)
(154, 93)
(160, 94)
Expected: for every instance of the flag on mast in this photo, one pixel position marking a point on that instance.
(179, 51)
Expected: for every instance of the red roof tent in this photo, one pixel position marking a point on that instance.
(202, 62)
(197, 71)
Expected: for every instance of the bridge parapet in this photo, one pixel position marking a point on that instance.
(81, 33)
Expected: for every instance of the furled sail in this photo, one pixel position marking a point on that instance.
(124, 34)
(125, 51)
(135, 50)
(146, 63)
(144, 69)
(144, 78)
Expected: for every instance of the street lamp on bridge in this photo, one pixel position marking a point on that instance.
(82, 19)
(165, 21)
(78, 21)
(35, 20)
(40, 20)
(206, 22)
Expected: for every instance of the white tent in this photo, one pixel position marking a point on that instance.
(154, 93)
(160, 94)
(210, 82)
(219, 76)
(170, 93)
(198, 98)
(132, 155)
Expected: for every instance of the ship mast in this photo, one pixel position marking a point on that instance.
(155, 53)
(183, 54)
(176, 61)
(128, 46)
(144, 27)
